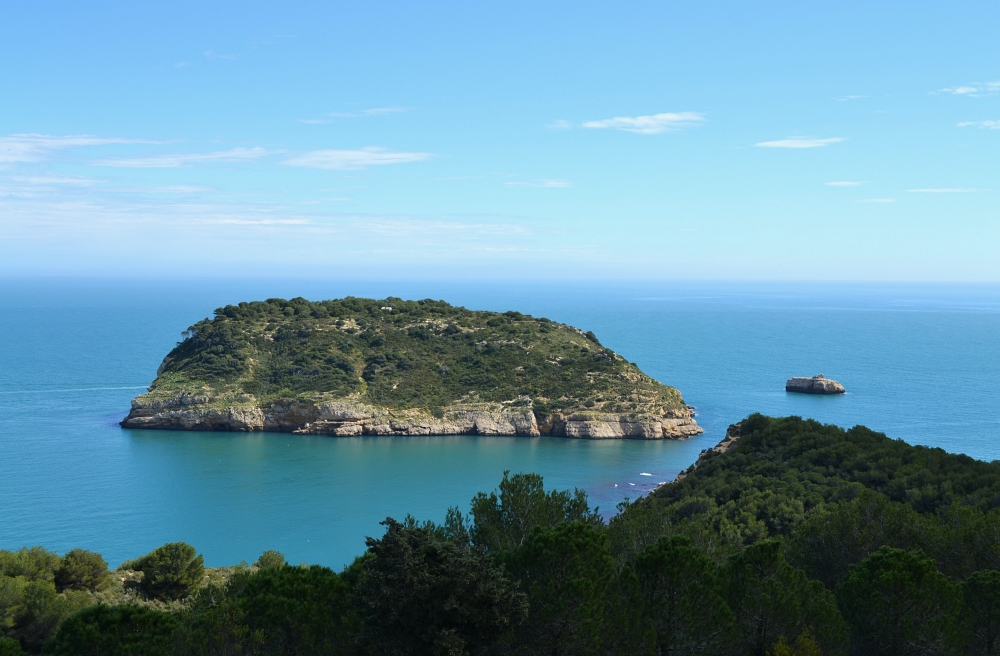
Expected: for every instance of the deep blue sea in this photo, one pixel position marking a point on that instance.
(920, 363)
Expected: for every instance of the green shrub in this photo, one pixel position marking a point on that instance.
(269, 559)
(34, 563)
(170, 572)
(126, 630)
(283, 610)
(82, 570)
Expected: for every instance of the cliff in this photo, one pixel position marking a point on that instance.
(393, 367)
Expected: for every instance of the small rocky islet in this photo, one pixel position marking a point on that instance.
(818, 384)
(357, 366)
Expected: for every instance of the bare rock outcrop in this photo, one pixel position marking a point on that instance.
(816, 385)
(345, 417)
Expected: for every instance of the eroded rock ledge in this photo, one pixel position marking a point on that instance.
(350, 418)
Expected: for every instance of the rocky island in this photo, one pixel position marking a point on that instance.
(358, 366)
(815, 385)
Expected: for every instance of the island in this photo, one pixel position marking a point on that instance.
(816, 385)
(356, 366)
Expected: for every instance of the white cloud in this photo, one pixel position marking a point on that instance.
(878, 200)
(653, 124)
(560, 124)
(940, 190)
(36, 147)
(960, 91)
(846, 98)
(374, 111)
(349, 160)
(972, 90)
(45, 180)
(988, 125)
(184, 160)
(799, 142)
(844, 183)
(548, 184)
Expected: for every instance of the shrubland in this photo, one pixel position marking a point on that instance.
(401, 354)
(800, 540)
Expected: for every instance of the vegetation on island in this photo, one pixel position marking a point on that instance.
(800, 540)
(402, 354)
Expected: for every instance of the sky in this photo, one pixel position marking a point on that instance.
(493, 140)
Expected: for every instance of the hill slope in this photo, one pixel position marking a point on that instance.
(360, 366)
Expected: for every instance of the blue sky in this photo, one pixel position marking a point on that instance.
(744, 141)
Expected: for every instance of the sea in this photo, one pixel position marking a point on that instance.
(921, 363)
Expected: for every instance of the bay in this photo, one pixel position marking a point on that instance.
(919, 363)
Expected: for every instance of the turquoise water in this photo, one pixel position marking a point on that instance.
(919, 362)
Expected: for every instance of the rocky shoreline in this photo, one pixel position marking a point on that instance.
(344, 418)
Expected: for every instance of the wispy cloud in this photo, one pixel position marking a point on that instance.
(653, 124)
(973, 90)
(940, 190)
(877, 200)
(36, 147)
(373, 111)
(211, 54)
(560, 124)
(348, 160)
(547, 184)
(185, 159)
(845, 183)
(46, 180)
(988, 125)
(799, 142)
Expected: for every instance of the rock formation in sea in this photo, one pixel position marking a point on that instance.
(391, 367)
(816, 385)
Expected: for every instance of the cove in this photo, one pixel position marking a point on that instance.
(919, 363)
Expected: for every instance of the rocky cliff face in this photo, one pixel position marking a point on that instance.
(350, 418)
(815, 385)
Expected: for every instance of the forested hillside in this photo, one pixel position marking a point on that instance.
(801, 539)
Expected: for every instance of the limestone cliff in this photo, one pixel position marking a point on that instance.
(345, 418)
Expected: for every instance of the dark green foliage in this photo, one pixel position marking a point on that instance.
(170, 572)
(896, 602)
(30, 606)
(782, 471)
(770, 599)
(269, 559)
(827, 543)
(503, 521)
(981, 594)
(10, 647)
(126, 630)
(82, 570)
(34, 563)
(280, 610)
(567, 572)
(423, 594)
(420, 354)
(679, 596)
